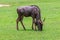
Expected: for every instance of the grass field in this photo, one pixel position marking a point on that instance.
(50, 9)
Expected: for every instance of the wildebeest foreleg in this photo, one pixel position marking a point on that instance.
(33, 25)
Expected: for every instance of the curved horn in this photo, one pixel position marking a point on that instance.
(43, 19)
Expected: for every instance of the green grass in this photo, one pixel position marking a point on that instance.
(50, 9)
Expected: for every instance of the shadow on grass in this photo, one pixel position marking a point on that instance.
(28, 30)
(25, 30)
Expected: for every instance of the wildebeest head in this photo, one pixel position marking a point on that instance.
(40, 24)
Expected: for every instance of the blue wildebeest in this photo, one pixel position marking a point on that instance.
(30, 11)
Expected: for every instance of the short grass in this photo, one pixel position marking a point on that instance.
(50, 9)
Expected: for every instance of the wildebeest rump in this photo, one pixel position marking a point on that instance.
(30, 11)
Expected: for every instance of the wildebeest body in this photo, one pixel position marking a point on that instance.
(27, 10)
(30, 11)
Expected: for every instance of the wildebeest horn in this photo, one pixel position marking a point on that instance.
(43, 19)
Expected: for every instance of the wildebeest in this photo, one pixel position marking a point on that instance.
(30, 11)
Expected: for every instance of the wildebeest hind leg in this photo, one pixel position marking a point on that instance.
(23, 25)
(17, 23)
(21, 19)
